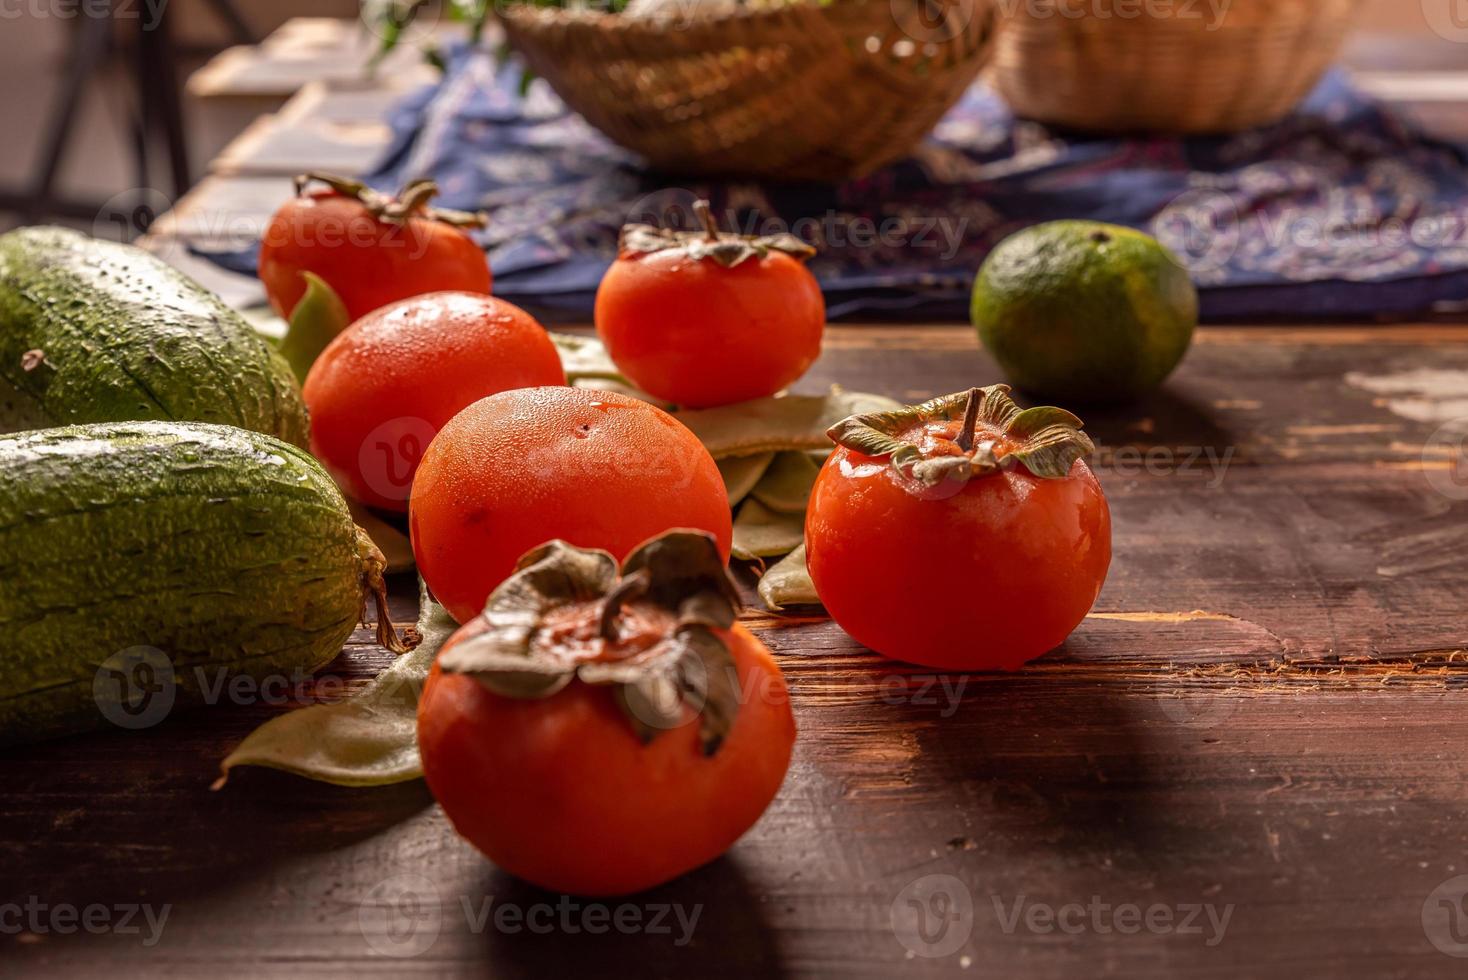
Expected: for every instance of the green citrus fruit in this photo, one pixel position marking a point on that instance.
(1084, 312)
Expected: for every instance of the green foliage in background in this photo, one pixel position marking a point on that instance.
(389, 20)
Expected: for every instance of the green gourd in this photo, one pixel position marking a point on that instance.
(167, 559)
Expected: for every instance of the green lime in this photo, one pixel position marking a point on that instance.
(1084, 312)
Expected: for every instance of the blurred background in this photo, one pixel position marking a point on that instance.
(39, 49)
(1394, 50)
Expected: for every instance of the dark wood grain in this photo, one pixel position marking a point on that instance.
(1263, 713)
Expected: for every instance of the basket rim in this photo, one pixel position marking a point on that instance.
(529, 15)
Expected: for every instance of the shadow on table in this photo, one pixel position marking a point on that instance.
(705, 924)
(1161, 418)
(118, 818)
(1055, 767)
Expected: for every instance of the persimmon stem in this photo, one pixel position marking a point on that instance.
(632, 587)
(412, 201)
(415, 197)
(965, 440)
(710, 226)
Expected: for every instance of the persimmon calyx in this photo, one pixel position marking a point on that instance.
(410, 202)
(648, 631)
(724, 247)
(994, 433)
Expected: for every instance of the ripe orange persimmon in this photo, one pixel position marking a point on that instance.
(371, 249)
(383, 387)
(702, 319)
(558, 750)
(963, 533)
(595, 468)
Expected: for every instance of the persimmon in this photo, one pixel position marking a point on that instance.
(382, 388)
(370, 248)
(710, 318)
(963, 533)
(601, 736)
(594, 468)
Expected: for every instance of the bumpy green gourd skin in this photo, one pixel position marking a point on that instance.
(127, 337)
(231, 552)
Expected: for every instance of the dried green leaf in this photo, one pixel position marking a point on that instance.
(788, 583)
(587, 365)
(503, 657)
(369, 739)
(763, 533)
(1052, 440)
(584, 357)
(621, 388)
(726, 248)
(741, 473)
(680, 572)
(410, 202)
(786, 485)
(685, 572)
(778, 423)
(1047, 440)
(693, 671)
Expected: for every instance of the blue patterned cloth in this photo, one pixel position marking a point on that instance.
(1340, 211)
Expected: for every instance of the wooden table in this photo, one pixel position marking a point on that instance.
(1261, 720)
(1262, 717)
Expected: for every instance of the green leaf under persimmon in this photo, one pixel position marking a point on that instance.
(788, 583)
(778, 423)
(786, 485)
(369, 739)
(741, 473)
(763, 533)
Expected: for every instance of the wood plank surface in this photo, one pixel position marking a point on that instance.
(1263, 721)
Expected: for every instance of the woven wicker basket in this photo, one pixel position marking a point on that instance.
(802, 92)
(1107, 65)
